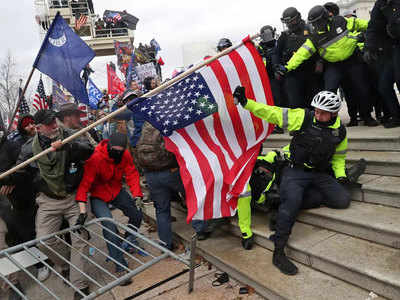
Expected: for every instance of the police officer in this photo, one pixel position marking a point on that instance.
(332, 8)
(319, 144)
(223, 44)
(382, 47)
(335, 39)
(267, 49)
(302, 83)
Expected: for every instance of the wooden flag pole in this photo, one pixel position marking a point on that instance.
(123, 108)
(19, 100)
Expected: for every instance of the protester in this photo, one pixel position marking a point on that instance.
(319, 143)
(102, 178)
(57, 176)
(20, 215)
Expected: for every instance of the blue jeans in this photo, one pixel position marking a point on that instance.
(124, 202)
(162, 185)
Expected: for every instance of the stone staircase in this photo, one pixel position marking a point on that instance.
(341, 254)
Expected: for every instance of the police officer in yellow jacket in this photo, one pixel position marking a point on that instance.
(319, 144)
(260, 182)
(336, 40)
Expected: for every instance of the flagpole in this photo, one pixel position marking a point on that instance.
(123, 108)
(20, 98)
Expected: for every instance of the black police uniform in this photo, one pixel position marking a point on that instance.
(383, 40)
(302, 83)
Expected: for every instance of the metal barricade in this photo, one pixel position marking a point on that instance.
(15, 257)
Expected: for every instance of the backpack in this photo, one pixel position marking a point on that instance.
(151, 154)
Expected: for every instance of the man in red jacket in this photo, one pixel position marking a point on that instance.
(103, 179)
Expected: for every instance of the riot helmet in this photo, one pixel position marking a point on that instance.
(223, 44)
(267, 35)
(332, 8)
(291, 17)
(318, 16)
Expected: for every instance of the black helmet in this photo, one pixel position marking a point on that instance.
(317, 13)
(267, 34)
(332, 8)
(223, 44)
(290, 14)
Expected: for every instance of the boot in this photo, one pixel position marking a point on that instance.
(352, 123)
(370, 122)
(281, 261)
(392, 123)
(248, 243)
(356, 170)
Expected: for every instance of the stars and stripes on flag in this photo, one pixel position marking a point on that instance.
(39, 100)
(23, 109)
(216, 143)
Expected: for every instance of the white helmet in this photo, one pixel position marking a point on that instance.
(327, 101)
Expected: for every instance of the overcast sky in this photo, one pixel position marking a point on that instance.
(172, 23)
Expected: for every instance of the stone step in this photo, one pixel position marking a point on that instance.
(255, 268)
(378, 162)
(371, 222)
(383, 190)
(360, 138)
(365, 264)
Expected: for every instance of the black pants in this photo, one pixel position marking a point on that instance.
(350, 72)
(301, 86)
(386, 66)
(304, 190)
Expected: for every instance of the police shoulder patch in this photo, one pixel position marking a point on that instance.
(339, 30)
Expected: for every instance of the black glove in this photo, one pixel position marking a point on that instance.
(369, 56)
(239, 96)
(280, 71)
(343, 180)
(361, 38)
(81, 221)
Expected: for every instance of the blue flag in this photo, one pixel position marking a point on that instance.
(62, 56)
(178, 106)
(130, 72)
(95, 94)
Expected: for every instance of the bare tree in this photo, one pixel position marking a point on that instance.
(9, 84)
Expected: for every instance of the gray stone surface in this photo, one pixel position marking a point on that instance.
(360, 262)
(256, 268)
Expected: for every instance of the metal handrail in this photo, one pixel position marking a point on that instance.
(152, 259)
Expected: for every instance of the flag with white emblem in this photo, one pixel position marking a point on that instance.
(216, 143)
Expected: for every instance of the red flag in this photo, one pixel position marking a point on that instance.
(217, 154)
(115, 85)
(84, 114)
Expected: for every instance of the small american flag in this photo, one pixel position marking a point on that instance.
(39, 100)
(23, 109)
(216, 143)
(81, 22)
(84, 115)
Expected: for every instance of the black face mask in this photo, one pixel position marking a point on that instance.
(115, 155)
(326, 124)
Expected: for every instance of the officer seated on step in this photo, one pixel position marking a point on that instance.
(319, 143)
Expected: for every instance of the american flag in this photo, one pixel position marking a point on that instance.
(39, 100)
(215, 142)
(85, 114)
(23, 109)
(81, 21)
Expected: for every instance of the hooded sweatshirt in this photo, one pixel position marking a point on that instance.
(103, 178)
